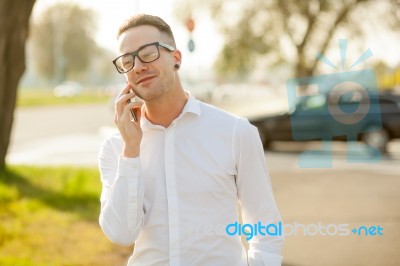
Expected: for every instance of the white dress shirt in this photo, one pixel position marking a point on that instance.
(175, 200)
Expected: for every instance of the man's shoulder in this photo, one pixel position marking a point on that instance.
(223, 121)
(218, 115)
(216, 112)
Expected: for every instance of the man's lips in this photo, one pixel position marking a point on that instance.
(144, 79)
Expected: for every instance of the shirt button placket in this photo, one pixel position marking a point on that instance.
(170, 179)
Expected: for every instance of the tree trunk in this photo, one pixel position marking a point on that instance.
(304, 69)
(14, 26)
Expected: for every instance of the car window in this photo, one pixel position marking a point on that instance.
(314, 102)
(349, 97)
(387, 102)
(388, 105)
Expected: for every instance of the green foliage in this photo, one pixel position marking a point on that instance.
(64, 188)
(8, 193)
(48, 216)
(41, 97)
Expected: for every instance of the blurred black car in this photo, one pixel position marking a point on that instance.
(352, 115)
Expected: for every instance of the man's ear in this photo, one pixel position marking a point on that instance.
(177, 59)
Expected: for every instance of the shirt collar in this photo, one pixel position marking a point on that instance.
(192, 106)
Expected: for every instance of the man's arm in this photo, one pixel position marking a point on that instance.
(122, 210)
(255, 195)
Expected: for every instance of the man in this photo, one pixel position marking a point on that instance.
(173, 178)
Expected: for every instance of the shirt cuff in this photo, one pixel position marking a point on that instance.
(127, 167)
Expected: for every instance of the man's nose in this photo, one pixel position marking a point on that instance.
(138, 65)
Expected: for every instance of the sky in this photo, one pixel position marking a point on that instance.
(110, 14)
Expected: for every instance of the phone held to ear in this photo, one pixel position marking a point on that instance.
(136, 99)
(133, 112)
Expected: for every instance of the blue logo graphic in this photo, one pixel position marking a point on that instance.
(298, 229)
(339, 105)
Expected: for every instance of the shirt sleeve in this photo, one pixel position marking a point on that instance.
(255, 195)
(122, 210)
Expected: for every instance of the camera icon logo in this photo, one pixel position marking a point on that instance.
(343, 105)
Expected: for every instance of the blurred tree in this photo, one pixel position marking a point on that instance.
(101, 70)
(14, 26)
(288, 30)
(63, 42)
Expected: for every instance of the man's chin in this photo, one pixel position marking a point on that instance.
(148, 97)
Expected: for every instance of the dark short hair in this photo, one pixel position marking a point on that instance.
(144, 19)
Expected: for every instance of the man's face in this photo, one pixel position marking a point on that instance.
(152, 80)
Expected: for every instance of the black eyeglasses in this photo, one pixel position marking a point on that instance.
(147, 53)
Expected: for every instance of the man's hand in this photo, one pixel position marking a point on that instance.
(130, 130)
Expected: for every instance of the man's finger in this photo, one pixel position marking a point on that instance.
(123, 98)
(126, 113)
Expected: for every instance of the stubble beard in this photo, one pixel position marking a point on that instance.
(157, 91)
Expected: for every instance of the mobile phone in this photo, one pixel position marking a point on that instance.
(133, 114)
(132, 111)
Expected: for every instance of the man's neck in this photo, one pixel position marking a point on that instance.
(164, 112)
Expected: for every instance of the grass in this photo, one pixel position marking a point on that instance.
(36, 97)
(48, 217)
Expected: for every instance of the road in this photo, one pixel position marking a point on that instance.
(354, 194)
(59, 135)
(351, 194)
